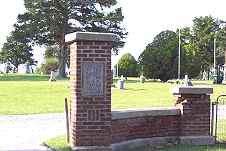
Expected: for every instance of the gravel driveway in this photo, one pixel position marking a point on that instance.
(27, 132)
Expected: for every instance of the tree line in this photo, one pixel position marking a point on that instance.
(159, 60)
(46, 22)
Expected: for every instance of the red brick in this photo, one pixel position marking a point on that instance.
(92, 113)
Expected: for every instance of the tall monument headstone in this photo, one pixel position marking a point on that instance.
(90, 86)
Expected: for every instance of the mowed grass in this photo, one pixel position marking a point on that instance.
(32, 97)
(221, 131)
(142, 95)
(33, 94)
(58, 144)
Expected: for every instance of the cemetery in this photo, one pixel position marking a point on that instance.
(92, 125)
(185, 120)
(61, 89)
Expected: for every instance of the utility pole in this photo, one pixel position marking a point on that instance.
(179, 42)
(214, 57)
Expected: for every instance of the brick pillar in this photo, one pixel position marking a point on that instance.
(194, 103)
(90, 86)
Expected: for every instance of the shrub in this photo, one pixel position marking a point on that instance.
(127, 66)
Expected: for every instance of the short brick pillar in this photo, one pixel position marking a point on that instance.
(194, 103)
(90, 86)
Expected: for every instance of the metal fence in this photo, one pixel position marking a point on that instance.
(218, 120)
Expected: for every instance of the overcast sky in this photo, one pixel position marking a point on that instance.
(144, 19)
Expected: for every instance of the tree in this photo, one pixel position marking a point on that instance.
(159, 59)
(47, 22)
(16, 52)
(190, 57)
(204, 30)
(127, 66)
(198, 43)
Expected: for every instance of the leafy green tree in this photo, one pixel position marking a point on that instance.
(46, 22)
(190, 57)
(204, 30)
(16, 52)
(127, 66)
(159, 59)
(198, 43)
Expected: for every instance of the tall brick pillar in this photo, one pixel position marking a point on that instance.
(194, 103)
(90, 86)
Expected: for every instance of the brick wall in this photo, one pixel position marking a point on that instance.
(144, 127)
(92, 124)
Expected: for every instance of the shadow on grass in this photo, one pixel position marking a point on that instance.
(132, 89)
(136, 80)
(25, 77)
(127, 81)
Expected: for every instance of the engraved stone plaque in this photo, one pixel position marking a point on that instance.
(92, 79)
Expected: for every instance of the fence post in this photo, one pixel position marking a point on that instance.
(67, 119)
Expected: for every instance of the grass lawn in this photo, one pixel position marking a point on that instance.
(138, 95)
(221, 131)
(25, 94)
(32, 94)
(58, 144)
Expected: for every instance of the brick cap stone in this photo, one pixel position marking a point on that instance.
(133, 113)
(191, 90)
(91, 36)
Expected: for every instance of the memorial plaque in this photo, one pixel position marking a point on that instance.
(92, 79)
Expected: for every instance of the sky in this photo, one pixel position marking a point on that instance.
(144, 19)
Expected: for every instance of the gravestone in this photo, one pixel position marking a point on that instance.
(90, 85)
(120, 83)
